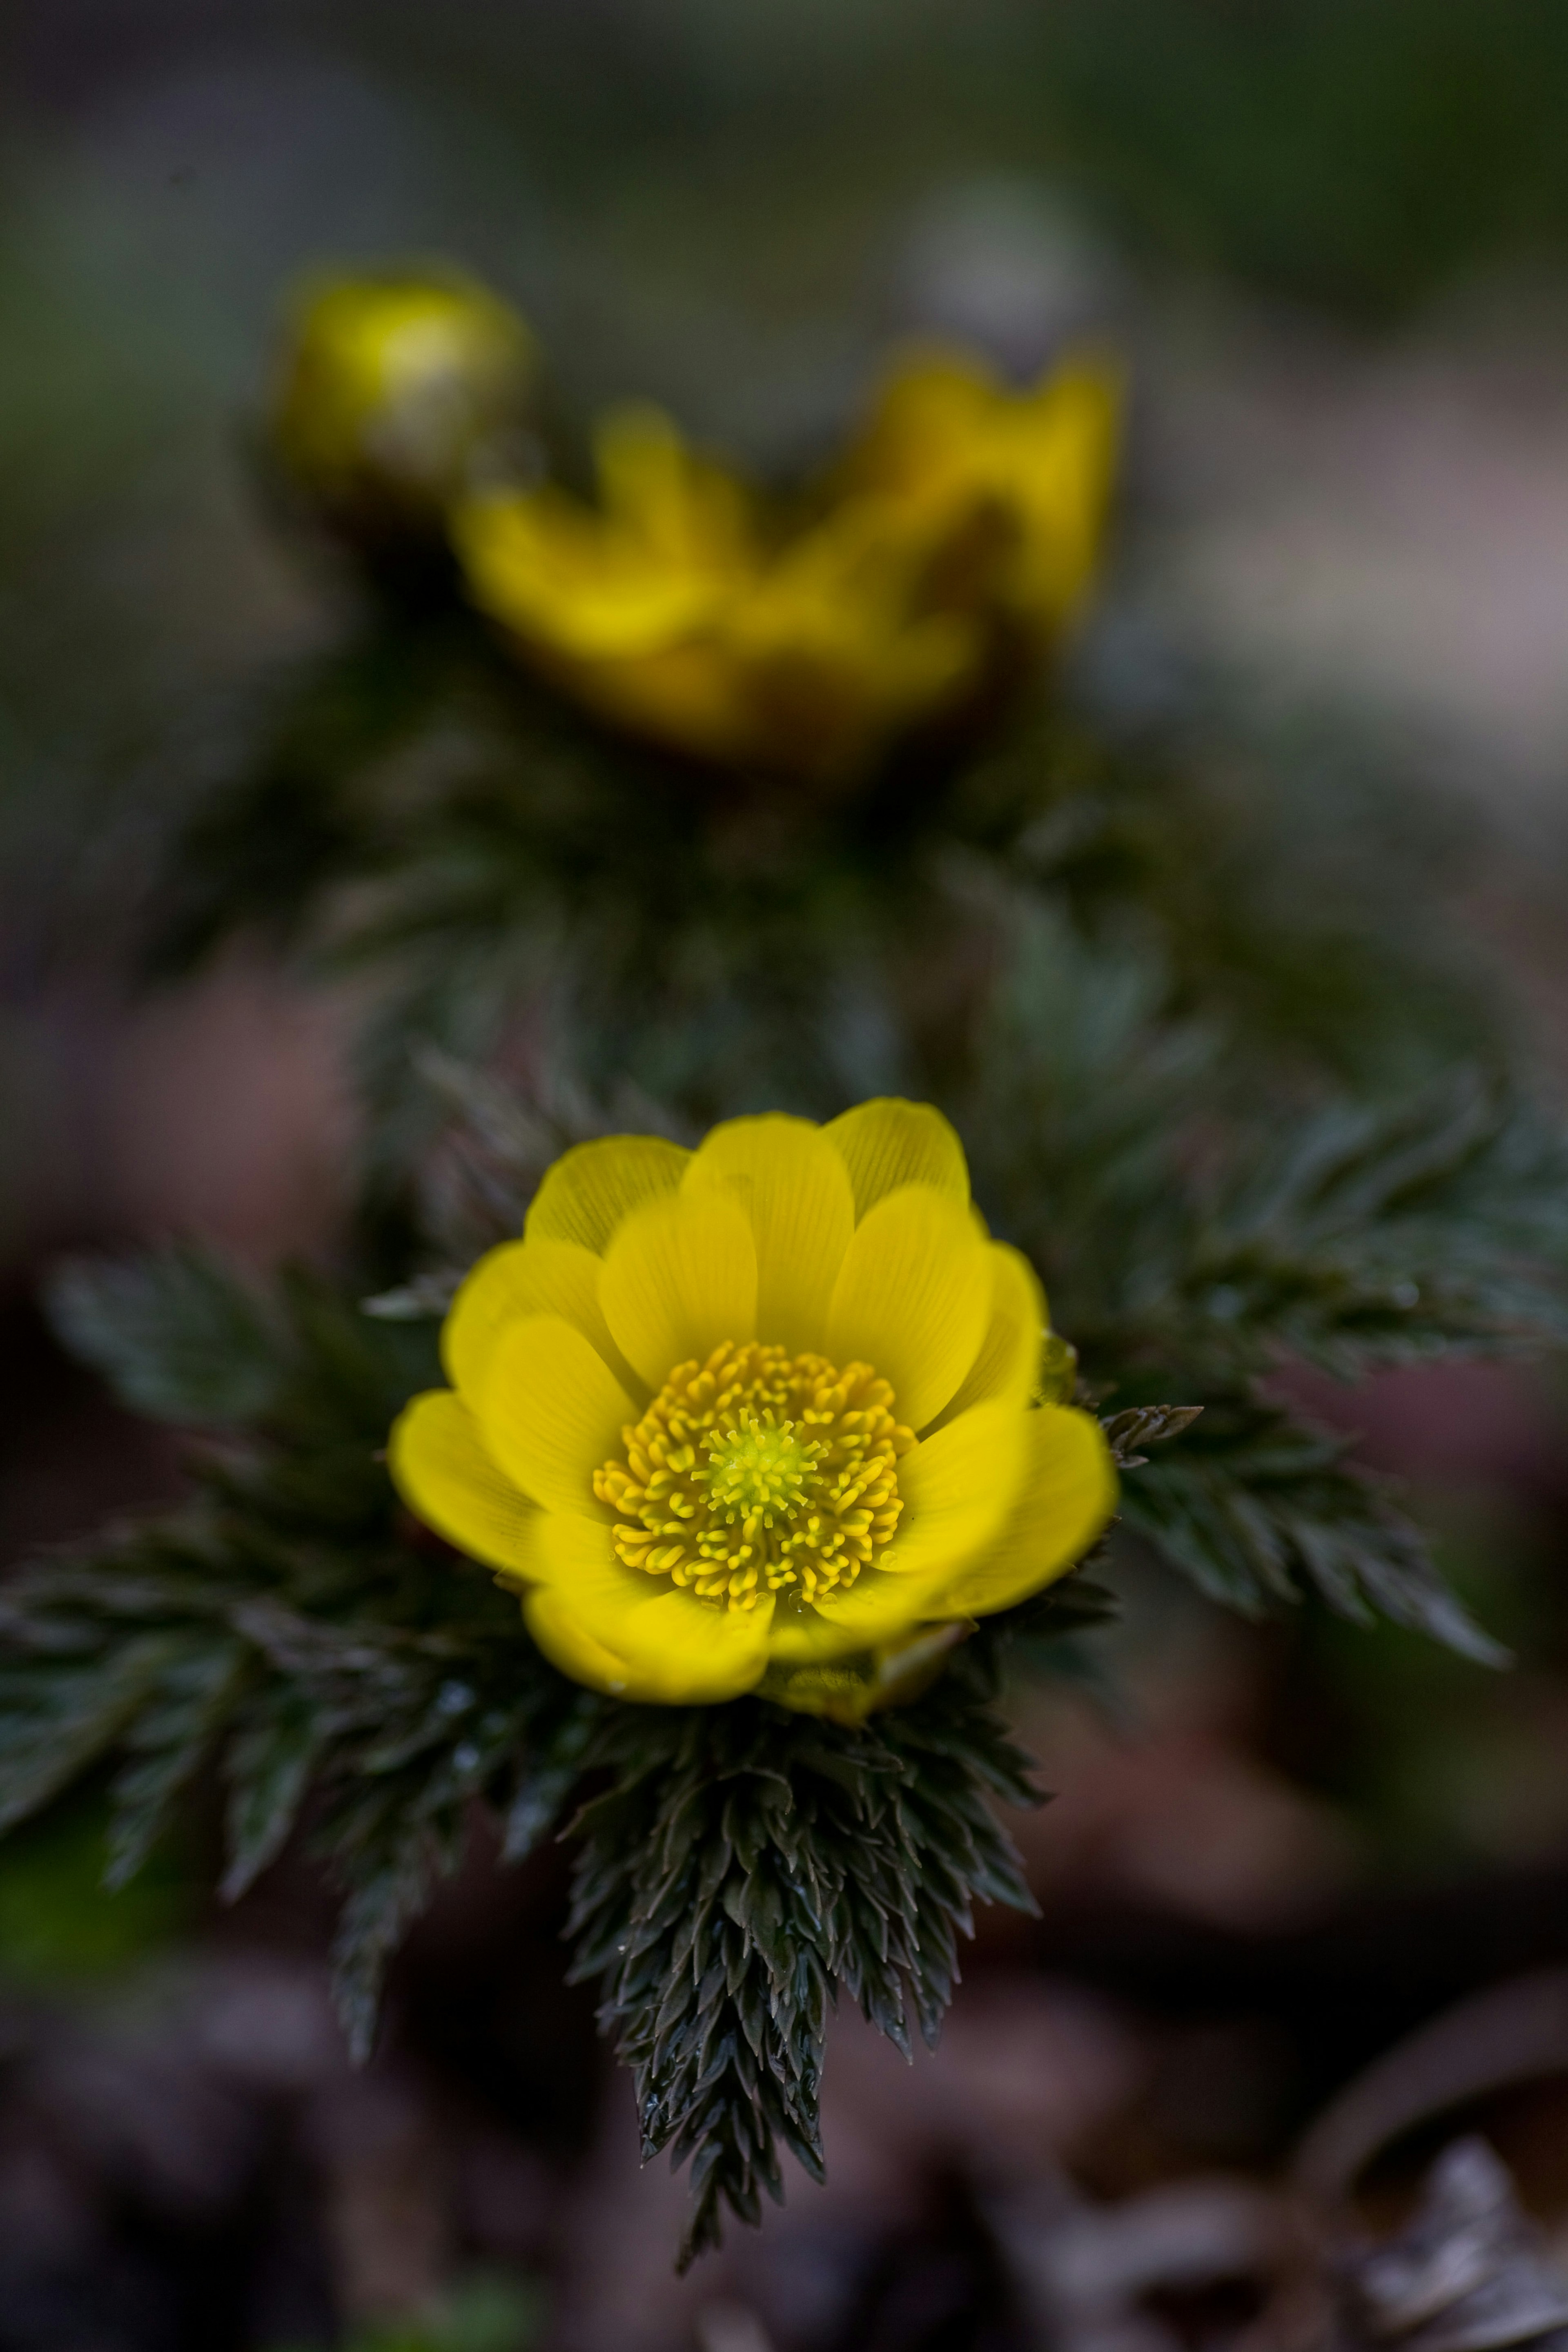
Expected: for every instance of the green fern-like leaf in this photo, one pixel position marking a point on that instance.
(177, 1333)
(745, 1866)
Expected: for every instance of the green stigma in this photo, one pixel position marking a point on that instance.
(760, 1471)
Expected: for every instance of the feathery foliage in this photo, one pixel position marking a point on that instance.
(408, 809)
(744, 1865)
(1191, 1253)
(290, 1622)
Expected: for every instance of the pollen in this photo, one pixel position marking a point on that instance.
(759, 1472)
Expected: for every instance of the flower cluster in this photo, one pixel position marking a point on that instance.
(764, 1416)
(947, 548)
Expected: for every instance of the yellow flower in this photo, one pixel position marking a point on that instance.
(664, 610)
(674, 608)
(763, 1416)
(399, 393)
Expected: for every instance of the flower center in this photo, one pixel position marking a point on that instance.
(760, 1470)
(757, 1472)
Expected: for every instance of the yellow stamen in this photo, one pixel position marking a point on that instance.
(758, 1470)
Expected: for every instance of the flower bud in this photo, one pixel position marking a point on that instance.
(398, 394)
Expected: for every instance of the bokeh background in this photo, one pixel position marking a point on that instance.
(1334, 241)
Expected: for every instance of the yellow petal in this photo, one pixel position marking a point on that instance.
(1067, 458)
(683, 1651)
(681, 1277)
(678, 1651)
(878, 1608)
(571, 585)
(568, 1644)
(912, 1298)
(588, 1191)
(443, 1473)
(958, 1487)
(523, 1278)
(551, 1411)
(688, 512)
(888, 1143)
(794, 1189)
(1009, 1359)
(1068, 1496)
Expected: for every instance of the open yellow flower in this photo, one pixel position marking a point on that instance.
(676, 609)
(759, 1416)
(399, 393)
(803, 661)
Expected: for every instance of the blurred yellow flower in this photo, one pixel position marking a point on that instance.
(760, 1417)
(962, 528)
(399, 393)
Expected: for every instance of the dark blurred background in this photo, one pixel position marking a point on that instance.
(1334, 240)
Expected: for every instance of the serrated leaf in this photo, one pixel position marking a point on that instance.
(176, 1333)
(173, 1735)
(370, 1928)
(269, 1766)
(744, 1864)
(56, 1721)
(1263, 1509)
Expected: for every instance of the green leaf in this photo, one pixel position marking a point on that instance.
(287, 816)
(745, 1866)
(292, 1628)
(177, 1334)
(269, 1763)
(1257, 1508)
(1191, 1248)
(1394, 1234)
(389, 1869)
(171, 1736)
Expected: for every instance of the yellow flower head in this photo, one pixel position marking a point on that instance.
(399, 393)
(673, 609)
(760, 1416)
